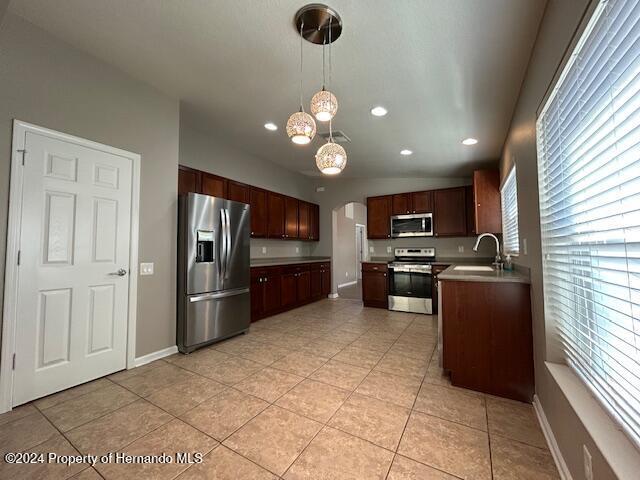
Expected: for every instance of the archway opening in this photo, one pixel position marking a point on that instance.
(349, 249)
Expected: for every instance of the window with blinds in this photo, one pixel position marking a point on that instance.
(509, 198)
(588, 137)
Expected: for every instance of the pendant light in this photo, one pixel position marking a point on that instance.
(301, 127)
(331, 158)
(324, 104)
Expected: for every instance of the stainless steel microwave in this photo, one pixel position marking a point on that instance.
(415, 225)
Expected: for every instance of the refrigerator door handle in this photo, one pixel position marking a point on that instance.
(223, 252)
(229, 243)
(216, 295)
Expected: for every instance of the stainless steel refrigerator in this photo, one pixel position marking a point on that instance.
(213, 270)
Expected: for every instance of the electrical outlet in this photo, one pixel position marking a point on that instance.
(525, 249)
(264, 250)
(146, 269)
(588, 467)
(388, 249)
(460, 248)
(346, 274)
(371, 250)
(297, 249)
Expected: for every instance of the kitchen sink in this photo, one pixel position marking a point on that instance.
(473, 268)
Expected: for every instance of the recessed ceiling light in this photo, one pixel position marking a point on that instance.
(405, 152)
(469, 141)
(271, 126)
(378, 111)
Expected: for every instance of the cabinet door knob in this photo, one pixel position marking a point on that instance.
(385, 274)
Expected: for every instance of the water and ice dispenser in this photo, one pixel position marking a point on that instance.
(204, 252)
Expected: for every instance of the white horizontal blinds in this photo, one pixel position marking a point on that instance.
(509, 196)
(588, 138)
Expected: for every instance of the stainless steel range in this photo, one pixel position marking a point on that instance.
(410, 280)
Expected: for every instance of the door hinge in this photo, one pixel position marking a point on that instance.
(19, 252)
(13, 366)
(23, 152)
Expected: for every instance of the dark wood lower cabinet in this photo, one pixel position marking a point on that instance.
(281, 288)
(375, 285)
(487, 337)
(265, 292)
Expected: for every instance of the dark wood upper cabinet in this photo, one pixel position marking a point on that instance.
(450, 216)
(188, 180)
(471, 224)
(290, 217)
(314, 222)
(378, 217)
(272, 215)
(422, 202)
(275, 215)
(238, 192)
(401, 204)
(486, 197)
(258, 204)
(214, 185)
(304, 211)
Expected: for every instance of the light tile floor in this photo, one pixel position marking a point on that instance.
(331, 390)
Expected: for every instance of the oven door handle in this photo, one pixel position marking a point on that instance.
(410, 270)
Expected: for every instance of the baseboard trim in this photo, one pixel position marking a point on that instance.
(333, 295)
(150, 357)
(347, 284)
(563, 470)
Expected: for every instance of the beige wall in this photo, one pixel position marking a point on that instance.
(49, 83)
(560, 21)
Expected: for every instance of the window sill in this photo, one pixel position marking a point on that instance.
(617, 449)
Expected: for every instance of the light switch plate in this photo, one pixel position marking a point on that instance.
(146, 269)
(525, 250)
(371, 250)
(297, 249)
(460, 248)
(388, 249)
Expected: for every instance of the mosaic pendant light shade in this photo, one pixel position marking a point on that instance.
(301, 128)
(324, 105)
(331, 158)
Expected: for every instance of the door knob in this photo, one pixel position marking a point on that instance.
(120, 273)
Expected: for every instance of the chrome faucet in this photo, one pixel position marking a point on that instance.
(498, 260)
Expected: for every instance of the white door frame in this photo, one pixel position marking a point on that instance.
(359, 246)
(9, 319)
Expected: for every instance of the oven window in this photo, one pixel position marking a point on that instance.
(410, 284)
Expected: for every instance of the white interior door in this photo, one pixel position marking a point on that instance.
(72, 309)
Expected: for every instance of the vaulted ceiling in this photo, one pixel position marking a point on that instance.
(445, 70)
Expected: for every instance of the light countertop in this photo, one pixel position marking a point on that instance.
(276, 261)
(378, 260)
(517, 275)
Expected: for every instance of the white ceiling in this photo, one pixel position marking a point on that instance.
(445, 70)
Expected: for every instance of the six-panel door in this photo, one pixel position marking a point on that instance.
(72, 309)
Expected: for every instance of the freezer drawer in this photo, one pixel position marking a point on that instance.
(213, 316)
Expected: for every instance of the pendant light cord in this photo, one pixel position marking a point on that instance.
(330, 86)
(301, 71)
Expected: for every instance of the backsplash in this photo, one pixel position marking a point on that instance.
(445, 247)
(279, 248)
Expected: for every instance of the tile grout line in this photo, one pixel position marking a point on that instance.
(333, 415)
